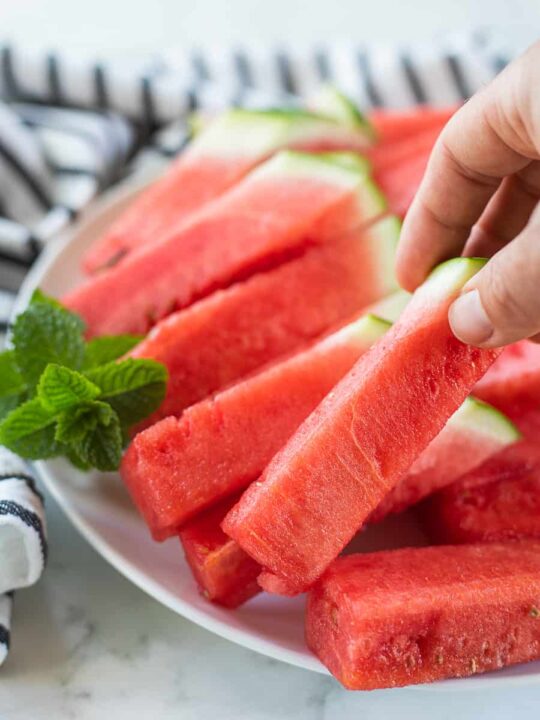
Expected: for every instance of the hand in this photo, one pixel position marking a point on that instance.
(479, 197)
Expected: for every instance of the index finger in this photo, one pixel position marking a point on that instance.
(477, 148)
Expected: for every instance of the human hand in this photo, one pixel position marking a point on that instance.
(480, 197)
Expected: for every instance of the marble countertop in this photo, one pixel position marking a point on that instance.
(87, 644)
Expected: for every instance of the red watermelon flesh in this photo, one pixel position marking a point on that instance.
(395, 126)
(383, 157)
(337, 468)
(289, 203)
(190, 182)
(513, 384)
(399, 183)
(474, 433)
(217, 159)
(233, 332)
(500, 500)
(224, 573)
(417, 615)
(178, 467)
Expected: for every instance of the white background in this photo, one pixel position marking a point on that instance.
(127, 25)
(182, 671)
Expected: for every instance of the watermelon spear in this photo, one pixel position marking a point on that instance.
(219, 157)
(415, 615)
(224, 337)
(288, 204)
(351, 452)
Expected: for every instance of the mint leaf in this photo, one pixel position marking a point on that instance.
(107, 348)
(12, 385)
(76, 422)
(60, 388)
(76, 460)
(45, 334)
(101, 447)
(11, 380)
(29, 431)
(9, 403)
(38, 296)
(134, 388)
(83, 398)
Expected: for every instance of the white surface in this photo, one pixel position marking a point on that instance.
(100, 648)
(123, 25)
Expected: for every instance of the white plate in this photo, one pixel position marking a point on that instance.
(101, 510)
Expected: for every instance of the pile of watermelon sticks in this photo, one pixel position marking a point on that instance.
(309, 397)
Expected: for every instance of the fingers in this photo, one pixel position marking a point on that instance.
(507, 213)
(501, 304)
(484, 142)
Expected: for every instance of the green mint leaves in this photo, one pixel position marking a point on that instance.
(60, 395)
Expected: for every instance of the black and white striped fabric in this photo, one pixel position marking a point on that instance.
(6, 603)
(70, 127)
(23, 543)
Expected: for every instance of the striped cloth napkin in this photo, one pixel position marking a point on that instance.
(70, 127)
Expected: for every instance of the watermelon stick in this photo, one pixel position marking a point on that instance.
(500, 500)
(416, 615)
(224, 573)
(349, 454)
(288, 204)
(218, 158)
(235, 331)
(178, 467)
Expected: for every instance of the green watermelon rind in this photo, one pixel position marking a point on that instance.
(242, 132)
(347, 159)
(445, 278)
(479, 417)
(449, 277)
(335, 104)
(383, 238)
(321, 167)
(366, 330)
(391, 306)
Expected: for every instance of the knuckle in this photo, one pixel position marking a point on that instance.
(459, 167)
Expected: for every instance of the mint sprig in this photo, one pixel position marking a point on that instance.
(61, 395)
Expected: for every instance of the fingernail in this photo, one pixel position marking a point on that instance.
(469, 320)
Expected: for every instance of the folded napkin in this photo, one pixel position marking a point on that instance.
(71, 127)
(23, 544)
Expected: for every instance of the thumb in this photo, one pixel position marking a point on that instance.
(501, 304)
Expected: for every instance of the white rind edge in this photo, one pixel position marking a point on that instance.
(484, 419)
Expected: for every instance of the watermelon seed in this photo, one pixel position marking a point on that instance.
(473, 666)
(334, 616)
(410, 661)
(439, 658)
(534, 612)
(485, 648)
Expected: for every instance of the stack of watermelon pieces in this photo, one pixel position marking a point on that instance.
(309, 397)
